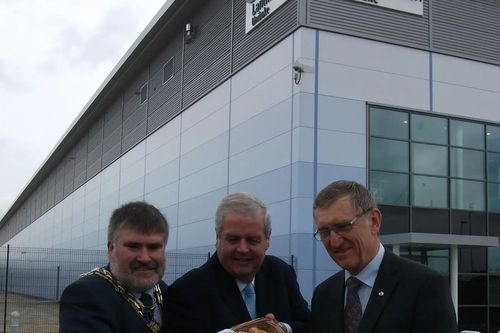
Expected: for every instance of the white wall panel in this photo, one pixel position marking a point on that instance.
(132, 173)
(341, 148)
(466, 102)
(268, 156)
(111, 171)
(305, 44)
(165, 134)
(373, 86)
(205, 155)
(133, 155)
(110, 186)
(163, 197)
(269, 93)
(196, 234)
(264, 67)
(163, 155)
(204, 181)
(303, 144)
(466, 73)
(340, 114)
(372, 55)
(214, 101)
(303, 110)
(206, 130)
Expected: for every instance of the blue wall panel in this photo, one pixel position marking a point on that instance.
(200, 208)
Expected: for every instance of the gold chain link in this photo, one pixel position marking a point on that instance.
(138, 306)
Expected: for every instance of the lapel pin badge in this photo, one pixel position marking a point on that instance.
(381, 293)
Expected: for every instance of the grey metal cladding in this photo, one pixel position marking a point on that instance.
(173, 47)
(95, 139)
(470, 28)
(80, 167)
(164, 93)
(208, 32)
(208, 55)
(111, 154)
(59, 196)
(207, 80)
(239, 8)
(112, 124)
(134, 119)
(264, 35)
(135, 136)
(207, 14)
(111, 140)
(140, 79)
(68, 189)
(80, 180)
(363, 19)
(131, 105)
(164, 113)
(156, 79)
(94, 168)
(94, 155)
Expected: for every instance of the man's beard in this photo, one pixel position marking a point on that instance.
(130, 282)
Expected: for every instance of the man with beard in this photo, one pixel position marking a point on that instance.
(239, 282)
(126, 295)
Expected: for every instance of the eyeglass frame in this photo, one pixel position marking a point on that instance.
(350, 223)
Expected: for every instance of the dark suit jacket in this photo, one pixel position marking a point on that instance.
(90, 304)
(406, 297)
(207, 299)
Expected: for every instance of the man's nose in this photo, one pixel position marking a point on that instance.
(242, 246)
(144, 255)
(335, 240)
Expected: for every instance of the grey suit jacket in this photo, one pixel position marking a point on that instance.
(406, 297)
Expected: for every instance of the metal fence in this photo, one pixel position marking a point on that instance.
(32, 280)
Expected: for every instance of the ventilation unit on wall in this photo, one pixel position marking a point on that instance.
(168, 70)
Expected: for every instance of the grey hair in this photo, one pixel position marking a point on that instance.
(242, 202)
(361, 198)
(139, 216)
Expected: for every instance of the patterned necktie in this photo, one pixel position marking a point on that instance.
(147, 300)
(250, 300)
(352, 311)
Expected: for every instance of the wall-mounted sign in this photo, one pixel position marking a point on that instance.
(410, 6)
(259, 10)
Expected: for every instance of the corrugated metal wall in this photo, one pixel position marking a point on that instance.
(466, 28)
(219, 49)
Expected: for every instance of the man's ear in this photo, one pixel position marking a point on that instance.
(375, 220)
(111, 247)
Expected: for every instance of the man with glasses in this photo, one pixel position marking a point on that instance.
(376, 291)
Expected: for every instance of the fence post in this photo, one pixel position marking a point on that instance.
(15, 322)
(57, 282)
(6, 289)
(208, 256)
(292, 259)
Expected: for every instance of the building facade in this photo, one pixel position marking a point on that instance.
(280, 98)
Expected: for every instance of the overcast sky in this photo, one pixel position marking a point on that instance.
(53, 57)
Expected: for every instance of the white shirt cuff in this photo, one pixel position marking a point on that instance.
(227, 330)
(288, 328)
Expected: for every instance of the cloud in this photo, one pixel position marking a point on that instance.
(9, 81)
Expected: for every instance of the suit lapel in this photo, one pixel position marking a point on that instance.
(382, 289)
(335, 304)
(229, 291)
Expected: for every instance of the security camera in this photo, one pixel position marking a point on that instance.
(298, 67)
(189, 33)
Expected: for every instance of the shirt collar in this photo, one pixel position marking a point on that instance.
(369, 273)
(138, 295)
(242, 285)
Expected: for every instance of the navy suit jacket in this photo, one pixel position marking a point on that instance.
(406, 297)
(207, 299)
(91, 304)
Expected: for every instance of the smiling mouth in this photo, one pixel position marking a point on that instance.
(242, 260)
(342, 251)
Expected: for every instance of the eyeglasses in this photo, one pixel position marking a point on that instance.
(340, 229)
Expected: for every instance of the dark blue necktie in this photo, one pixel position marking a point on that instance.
(352, 311)
(147, 300)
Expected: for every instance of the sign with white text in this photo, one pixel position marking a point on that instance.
(409, 6)
(259, 10)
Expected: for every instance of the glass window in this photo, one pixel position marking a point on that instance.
(466, 134)
(494, 224)
(472, 319)
(465, 163)
(494, 319)
(429, 191)
(494, 260)
(395, 220)
(472, 289)
(495, 290)
(472, 260)
(493, 137)
(429, 129)
(434, 221)
(389, 124)
(389, 188)
(429, 159)
(494, 167)
(468, 223)
(441, 265)
(467, 195)
(494, 197)
(389, 155)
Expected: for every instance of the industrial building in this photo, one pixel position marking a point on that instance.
(280, 98)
